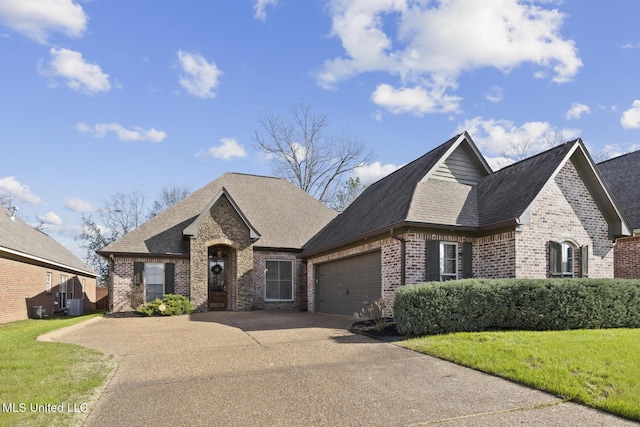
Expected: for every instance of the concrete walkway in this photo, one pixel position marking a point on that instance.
(296, 369)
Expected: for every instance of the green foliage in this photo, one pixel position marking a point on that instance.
(35, 372)
(598, 368)
(377, 311)
(169, 305)
(473, 305)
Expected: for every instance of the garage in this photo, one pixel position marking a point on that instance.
(344, 286)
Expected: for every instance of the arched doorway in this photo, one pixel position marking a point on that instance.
(219, 273)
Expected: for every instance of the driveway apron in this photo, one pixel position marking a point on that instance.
(296, 369)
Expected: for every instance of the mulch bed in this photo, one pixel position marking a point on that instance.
(369, 328)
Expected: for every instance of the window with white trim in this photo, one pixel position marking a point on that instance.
(567, 259)
(48, 284)
(154, 281)
(279, 280)
(448, 261)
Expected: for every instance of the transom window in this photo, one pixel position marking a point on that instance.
(154, 281)
(448, 261)
(279, 280)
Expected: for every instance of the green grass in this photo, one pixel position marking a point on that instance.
(46, 373)
(599, 368)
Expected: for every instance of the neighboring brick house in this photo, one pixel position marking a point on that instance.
(232, 245)
(37, 271)
(622, 175)
(446, 215)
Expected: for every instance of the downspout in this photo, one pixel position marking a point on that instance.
(403, 244)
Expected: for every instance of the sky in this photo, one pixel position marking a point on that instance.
(108, 96)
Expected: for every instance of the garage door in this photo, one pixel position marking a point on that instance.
(344, 286)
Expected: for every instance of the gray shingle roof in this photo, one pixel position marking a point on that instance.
(622, 175)
(283, 215)
(20, 237)
(405, 197)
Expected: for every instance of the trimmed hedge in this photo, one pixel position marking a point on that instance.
(473, 305)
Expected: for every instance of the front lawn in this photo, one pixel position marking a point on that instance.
(46, 383)
(599, 368)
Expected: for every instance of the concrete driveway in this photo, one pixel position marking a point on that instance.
(296, 368)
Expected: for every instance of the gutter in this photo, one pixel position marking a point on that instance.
(403, 245)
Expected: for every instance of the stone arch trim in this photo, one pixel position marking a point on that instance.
(225, 242)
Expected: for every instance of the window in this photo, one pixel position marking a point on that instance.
(48, 285)
(154, 281)
(448, 261)
(567, 259)
(562, 260)
(62, 295)
(279, 280)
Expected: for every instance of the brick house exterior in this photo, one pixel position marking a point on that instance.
(546, 216)
(232, 245)
(36, 271)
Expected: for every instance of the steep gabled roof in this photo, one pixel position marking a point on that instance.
(388, 202)
(280, 214)
(19, 238)
(420, 194)
(622, 175)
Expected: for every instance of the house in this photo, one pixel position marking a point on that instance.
(622, 175)
(39, 276)
(232, 245)
(250, 242)
(447, 215)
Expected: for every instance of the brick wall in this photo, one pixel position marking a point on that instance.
(299, 281)
(564, 211)
(125, 296)
(23, 285)
(494, 256)
(626, 254)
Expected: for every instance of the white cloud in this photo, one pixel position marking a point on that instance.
(260, 6)
(100, 130)
(495, 137)
(631, 118)
(199, 78)
(577, 110)
(372, 172)
(427, 45)
(76, 204)
(417, 100)
(50, 218)
(228, 149)
(12, 187)
(81, 76)
(494, 94)
(37, 19)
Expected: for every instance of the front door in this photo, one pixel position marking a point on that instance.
(217, 284)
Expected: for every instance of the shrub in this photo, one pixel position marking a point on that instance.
(169, 305)
(474, 305)
(377, 311)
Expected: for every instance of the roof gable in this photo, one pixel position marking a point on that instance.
(462, 163)
(19, 238)
(192, 229)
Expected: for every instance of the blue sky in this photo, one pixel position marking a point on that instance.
(101, 97)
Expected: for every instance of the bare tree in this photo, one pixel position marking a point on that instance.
(122, 212)
(307, 154)
(168, 197)
(350, 191)
(119, 214)
(6, 201)
(520, 150)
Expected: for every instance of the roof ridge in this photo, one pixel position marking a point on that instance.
(555, 147)
(618, 157)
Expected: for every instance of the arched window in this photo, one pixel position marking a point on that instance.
(561, 259)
